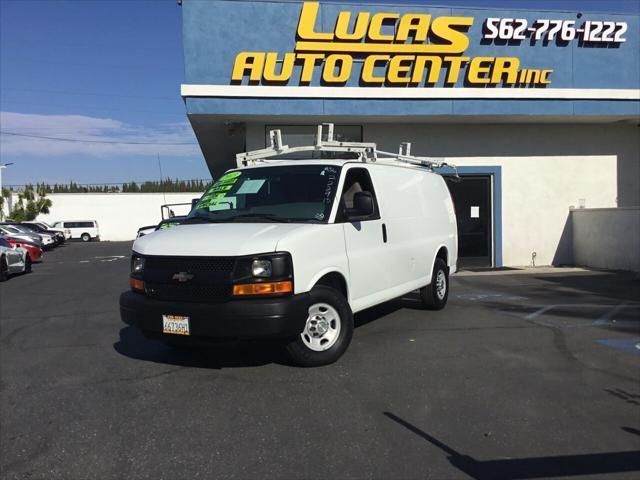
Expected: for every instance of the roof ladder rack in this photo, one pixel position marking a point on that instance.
(367, 152)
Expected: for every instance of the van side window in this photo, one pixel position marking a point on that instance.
(357, 180)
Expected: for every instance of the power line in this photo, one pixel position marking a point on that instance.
(93, 94)
(177, 112)
(78, 140)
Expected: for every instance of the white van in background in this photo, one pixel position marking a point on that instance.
(85, 230)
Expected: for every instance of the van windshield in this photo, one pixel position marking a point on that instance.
(295, 193)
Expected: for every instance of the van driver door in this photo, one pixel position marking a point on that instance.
(364, 241)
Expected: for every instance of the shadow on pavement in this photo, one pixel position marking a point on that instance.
(619, 285)
(230, 354)
(534, 467)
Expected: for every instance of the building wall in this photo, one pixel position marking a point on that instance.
(545, 170)
(119, 215)
(607, 238)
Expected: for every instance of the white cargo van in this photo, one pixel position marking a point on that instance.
(293, 248)
(85, 230)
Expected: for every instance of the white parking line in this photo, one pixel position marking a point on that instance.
(546, 308)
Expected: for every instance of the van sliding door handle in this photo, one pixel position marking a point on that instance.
(384, 233)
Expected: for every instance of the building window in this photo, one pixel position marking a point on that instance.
(300, 135)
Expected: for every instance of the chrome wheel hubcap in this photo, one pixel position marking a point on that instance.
(322, 328)
(441, 285)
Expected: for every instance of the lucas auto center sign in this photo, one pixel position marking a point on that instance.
(406, 49)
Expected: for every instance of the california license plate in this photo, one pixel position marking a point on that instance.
(175, 324)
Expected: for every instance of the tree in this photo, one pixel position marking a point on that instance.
(4, 194)
(36, 203)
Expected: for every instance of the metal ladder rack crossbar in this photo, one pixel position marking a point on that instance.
(367, 152)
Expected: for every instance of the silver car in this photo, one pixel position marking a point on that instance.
(13, 231)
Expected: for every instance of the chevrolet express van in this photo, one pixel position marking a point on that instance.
(293, 249)
(85, 230)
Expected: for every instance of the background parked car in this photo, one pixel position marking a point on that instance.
(11, 231)
(48, 240)
(166, 223)
(33, 250)
(40, 228)
(12, 260)
(85, 230)
(142, 231)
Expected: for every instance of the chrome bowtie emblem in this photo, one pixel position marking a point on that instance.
(182, 276)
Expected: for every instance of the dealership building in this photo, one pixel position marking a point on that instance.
(540, 110)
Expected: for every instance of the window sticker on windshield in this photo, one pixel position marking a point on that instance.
(251, 186)
(330, 173)
(218, 190)
(164, 226)
(230, 177)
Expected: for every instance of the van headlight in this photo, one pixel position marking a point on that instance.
(261, 268)
(137, 264)
(266, 274)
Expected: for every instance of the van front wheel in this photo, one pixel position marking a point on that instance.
(86, 237)
(327, 332)
(434, 296)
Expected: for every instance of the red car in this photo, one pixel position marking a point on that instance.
(34, 251)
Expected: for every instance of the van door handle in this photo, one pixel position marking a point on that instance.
(384, 233)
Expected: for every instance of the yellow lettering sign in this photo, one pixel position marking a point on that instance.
(412, 48)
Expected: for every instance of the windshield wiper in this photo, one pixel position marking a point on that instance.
(266, 216)
(199, 219)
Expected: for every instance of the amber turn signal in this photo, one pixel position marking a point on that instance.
(266, 288)
(136, 284)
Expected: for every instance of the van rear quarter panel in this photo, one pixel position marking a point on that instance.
(416, 207)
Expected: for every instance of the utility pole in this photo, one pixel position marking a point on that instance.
(164, 195)
(3, 166)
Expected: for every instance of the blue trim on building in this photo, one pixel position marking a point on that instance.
(496, 173)
(305, 107)
(215, 31)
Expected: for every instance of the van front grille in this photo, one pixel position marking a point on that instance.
(190, 264)
(189, 279)
(188, 293)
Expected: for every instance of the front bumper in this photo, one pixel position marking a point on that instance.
(246, 318)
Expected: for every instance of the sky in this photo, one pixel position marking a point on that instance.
(109, 71)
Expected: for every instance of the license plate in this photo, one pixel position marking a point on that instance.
(175, 324)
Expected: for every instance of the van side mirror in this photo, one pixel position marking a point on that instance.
(363, 204)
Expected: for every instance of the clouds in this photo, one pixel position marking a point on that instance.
(93, 129)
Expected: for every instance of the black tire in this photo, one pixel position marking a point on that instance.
(27, 264)
(431, 298)
(4, 269)
(302, 354)
(85, 237)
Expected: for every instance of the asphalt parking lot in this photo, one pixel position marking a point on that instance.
(533, 375)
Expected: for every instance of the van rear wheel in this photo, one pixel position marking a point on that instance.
(85, 237)
(434, 296)
(327, 332)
